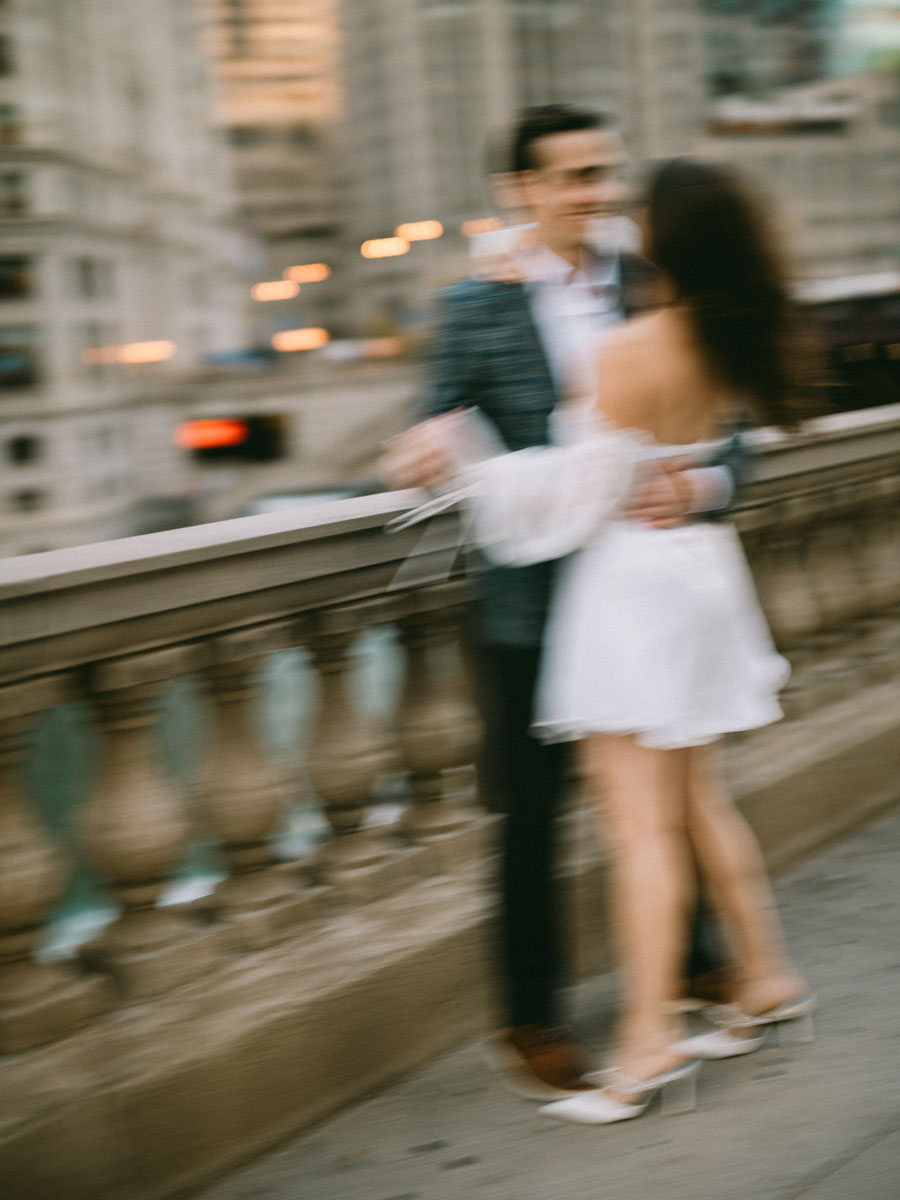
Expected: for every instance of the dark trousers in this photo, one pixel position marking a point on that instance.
(525, 778)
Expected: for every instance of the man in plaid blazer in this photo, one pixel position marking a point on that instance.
(505, 348)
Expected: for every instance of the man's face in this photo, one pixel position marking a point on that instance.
(580, 177)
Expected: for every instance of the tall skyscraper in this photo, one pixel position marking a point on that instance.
(117, 255)
(278, 65)
(427, 81)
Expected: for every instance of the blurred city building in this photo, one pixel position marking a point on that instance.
(656, 68)
(826, 152)
(426, 83)
(825, 144)
(429, 82)
(280, 97)
(869, 35)
(755, 81)
(118, 259)
(755, 46)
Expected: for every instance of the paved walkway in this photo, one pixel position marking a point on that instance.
(819, 1122)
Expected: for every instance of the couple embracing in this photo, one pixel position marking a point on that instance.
(616, 611)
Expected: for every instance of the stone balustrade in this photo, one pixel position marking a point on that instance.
(113, 625)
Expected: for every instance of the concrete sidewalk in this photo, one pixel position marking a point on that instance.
(821, 1122)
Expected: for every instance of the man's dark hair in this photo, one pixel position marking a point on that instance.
(543, 121)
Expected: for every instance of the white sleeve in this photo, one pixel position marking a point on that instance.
(711, 488)
(533, 505)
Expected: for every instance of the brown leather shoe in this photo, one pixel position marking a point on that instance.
(537, 1062)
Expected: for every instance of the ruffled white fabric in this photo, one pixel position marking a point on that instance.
(653, 632)
(546, 502)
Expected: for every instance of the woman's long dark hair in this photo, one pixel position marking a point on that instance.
(710, 237)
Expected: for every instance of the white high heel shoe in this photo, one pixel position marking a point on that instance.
(677, 1088)
(734, 1037)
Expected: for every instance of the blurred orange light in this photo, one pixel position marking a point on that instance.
(300, 339)
(276, 289)
(420, 231)
(309, 273)
(145, 352)
(384, 247)
(207, 434)
(480, 225)
(131, 352)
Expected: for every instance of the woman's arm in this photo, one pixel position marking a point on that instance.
(631, 375)
(547, 502)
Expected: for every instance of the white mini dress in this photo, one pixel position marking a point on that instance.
(653, 632)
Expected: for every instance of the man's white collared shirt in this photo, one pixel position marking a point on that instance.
(572, 307)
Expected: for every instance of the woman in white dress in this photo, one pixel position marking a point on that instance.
(656, 643)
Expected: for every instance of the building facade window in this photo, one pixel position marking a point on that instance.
(87, 284)
(17, 277)
(304, 135)
(93, 278)
(19, 356)
(247, 135)
(10, 124)
(13, 193)
(236, 21)
(7, 55)
(25, 448)
(88, 343)
(27, 500)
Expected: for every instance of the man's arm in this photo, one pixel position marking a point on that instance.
(734, 464)
(678, 491)
(716, 486)
(675, 488)
(418, 457)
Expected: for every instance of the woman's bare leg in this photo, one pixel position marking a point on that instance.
(643, 817)
(729, 858)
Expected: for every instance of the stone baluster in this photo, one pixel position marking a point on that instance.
(776, 541)
(437, 726)
(242, 797)
(835, 565)
(776, 538)
(135, 831)
(347, 754)
(879, 531)
(838, 583)
(38, 1001)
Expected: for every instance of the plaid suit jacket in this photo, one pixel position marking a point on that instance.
(488, 354)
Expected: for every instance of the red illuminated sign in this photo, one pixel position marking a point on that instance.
(209, 434)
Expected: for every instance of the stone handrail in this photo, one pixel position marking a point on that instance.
(113, 624)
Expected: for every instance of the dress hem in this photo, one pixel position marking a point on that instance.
(654, 737)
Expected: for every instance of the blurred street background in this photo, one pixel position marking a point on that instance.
(222, 221)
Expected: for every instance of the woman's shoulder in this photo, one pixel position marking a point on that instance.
(649, 376)
(657, 343)
(642, 346)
